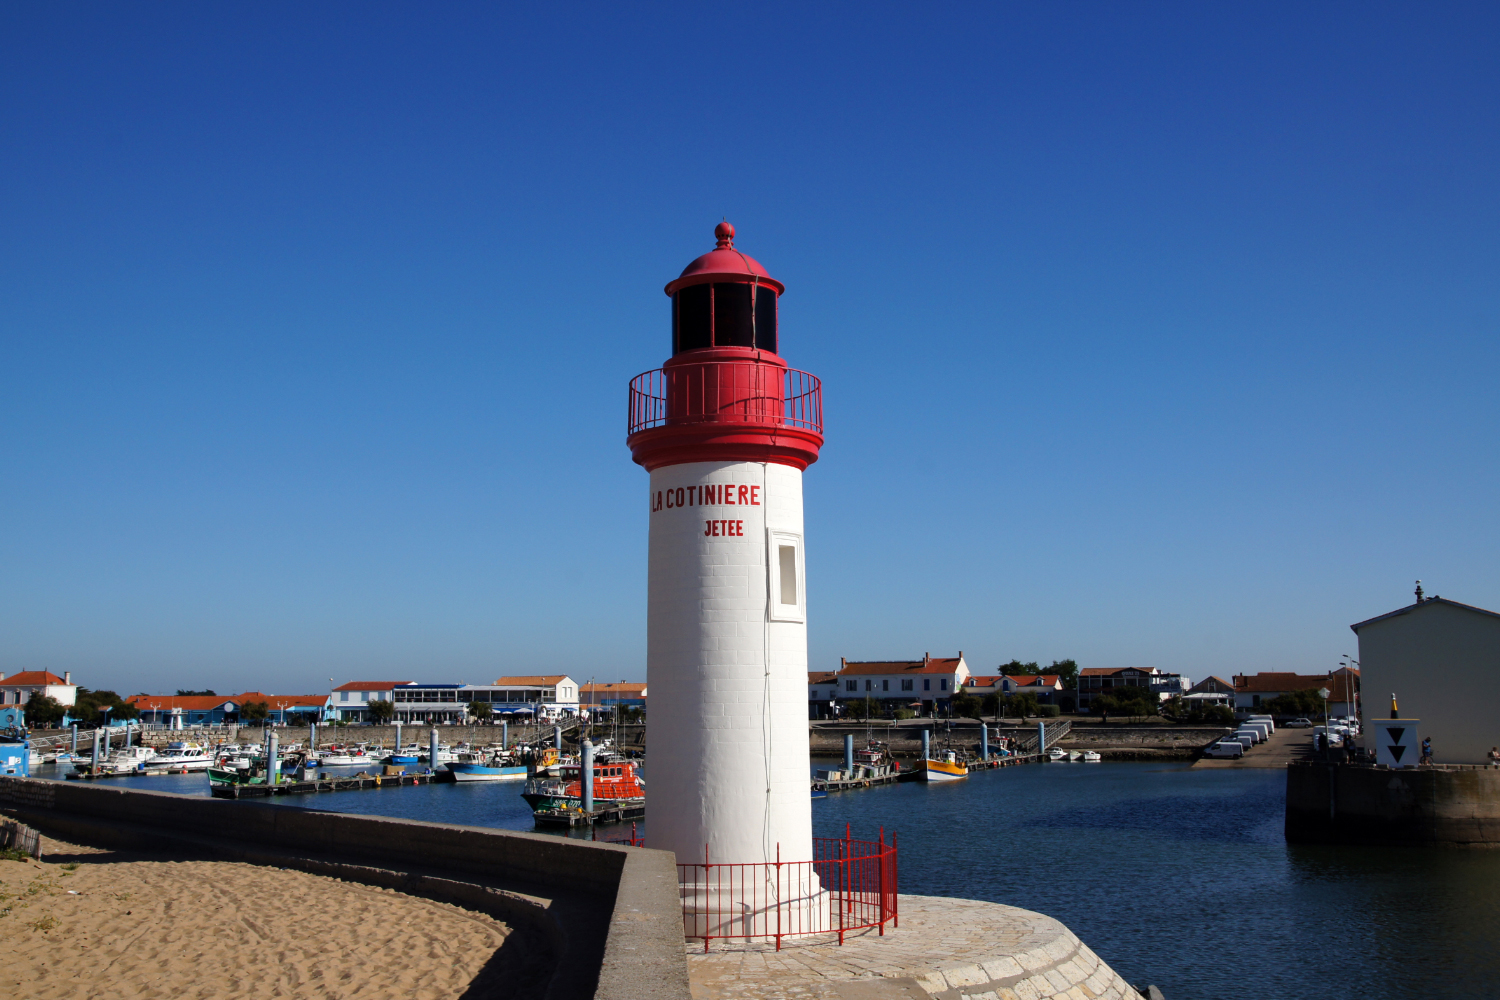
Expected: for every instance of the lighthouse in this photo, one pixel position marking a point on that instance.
(726, 428)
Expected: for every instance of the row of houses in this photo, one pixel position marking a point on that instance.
(927, 685)
(538, 696)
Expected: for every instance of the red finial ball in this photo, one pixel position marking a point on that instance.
(724, 233)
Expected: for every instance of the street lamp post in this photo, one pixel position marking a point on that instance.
(1324, 692)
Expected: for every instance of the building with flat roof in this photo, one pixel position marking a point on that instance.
(351, 701)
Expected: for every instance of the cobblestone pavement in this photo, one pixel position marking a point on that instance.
(953, 949)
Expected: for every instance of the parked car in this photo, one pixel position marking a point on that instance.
(1298, 724)
(1225, 748)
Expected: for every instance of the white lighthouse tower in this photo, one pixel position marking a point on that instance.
(726, 429)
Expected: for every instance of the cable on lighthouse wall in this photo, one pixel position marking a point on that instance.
(765, 726)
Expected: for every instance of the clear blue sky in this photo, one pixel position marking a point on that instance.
(1153, 335)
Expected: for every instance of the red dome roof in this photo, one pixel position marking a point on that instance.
(723, 262)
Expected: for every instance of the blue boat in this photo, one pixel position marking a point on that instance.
(473, 771)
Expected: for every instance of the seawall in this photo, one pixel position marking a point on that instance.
(608, 915)
(1455, 806)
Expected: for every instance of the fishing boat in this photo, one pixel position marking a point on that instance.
(119, 761)
(1091, 757)
(1057, 753)
(478, 765)
(950, 768)
(616, 784)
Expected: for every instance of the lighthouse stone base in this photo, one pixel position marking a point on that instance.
(953, 949)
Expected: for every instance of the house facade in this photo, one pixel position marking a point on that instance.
(1254, 692)
(1440, 659)
(182, 711)
(1211, 691)
(351, 701)
(1048, 688)
(926, 685)
(822, 693)
(18, 689)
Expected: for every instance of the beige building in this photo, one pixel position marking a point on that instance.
(1442, 661)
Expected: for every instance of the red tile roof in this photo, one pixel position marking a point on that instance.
(187, 702)
(31, 678)
(821, 676)
(982, 682)
(1042, 680)
(1278, 682)
(931, 665)
(277, 701)
(371, 685)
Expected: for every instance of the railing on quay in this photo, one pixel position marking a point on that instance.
(849, 885)
(729, 392)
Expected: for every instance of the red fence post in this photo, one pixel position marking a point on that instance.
(880, 876)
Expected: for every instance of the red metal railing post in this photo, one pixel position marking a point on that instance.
(777, 901)
(895, 885)
(880, 878)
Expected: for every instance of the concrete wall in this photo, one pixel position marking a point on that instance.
(1443, 663)
(1354, 804)
(728, 726)
(612, 914)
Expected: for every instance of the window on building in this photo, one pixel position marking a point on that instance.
(851, 685)
(906, 684)
(943, 684)
(867, 685)
(926, 683)
(343, 696)
(785, 577)
(885, 685)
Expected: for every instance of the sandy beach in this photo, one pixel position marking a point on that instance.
(89, 923)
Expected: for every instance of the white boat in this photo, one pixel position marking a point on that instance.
(1075, 755)
(119, 761)
(180, 757)
(1091, 757)
(1057, 753)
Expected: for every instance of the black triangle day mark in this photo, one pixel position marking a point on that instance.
(1396, 753)
(1396, 733)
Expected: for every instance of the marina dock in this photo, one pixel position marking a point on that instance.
(915, 774)
(577, 817)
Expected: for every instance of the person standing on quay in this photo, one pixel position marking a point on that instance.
(1427, 750)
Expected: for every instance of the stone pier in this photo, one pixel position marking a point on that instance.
(952, 949)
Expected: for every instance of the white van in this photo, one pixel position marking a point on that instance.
(1263, 718)
(1227, 747)
(1245, 738)
(1261, 727)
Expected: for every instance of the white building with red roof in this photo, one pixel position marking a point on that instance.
(925, 685)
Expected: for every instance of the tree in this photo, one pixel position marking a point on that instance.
(1130, 701)
(1015, 668)
(89, 705)
(206, 693)
(864, 708)
(44, 711)
(381, 711)
(965, 705)
(1067, 670)
(479, 711)
(1021, 706)
(255, 711)
(1308, 703)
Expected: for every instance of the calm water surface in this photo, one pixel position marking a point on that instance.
(1175, 876)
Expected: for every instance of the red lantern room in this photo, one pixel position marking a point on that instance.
(725, 394)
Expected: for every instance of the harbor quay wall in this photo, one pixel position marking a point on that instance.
(609, 916)
(1113, 741)
(1358, 804)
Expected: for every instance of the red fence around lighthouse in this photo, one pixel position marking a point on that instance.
(770, 899)
(726, 392)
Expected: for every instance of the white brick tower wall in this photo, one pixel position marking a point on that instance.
(727, 671)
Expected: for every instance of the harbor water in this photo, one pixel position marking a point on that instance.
(1174, 875)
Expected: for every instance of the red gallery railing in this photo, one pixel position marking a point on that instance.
(726, 391)
(849, 885)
